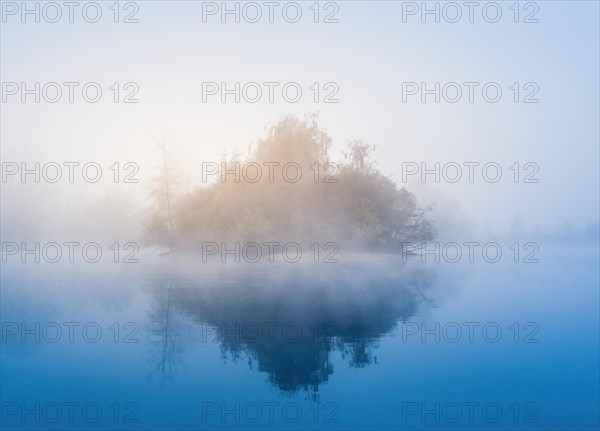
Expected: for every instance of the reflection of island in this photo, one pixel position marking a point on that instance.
(288, 319)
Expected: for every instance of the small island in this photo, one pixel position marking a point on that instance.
(288, 189)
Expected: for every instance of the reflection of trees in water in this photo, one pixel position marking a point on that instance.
(164, 332)
(288, 321)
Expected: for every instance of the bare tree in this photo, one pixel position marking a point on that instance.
(160, 227)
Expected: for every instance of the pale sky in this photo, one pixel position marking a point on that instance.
(170, 52)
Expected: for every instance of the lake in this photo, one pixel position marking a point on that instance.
(371, 342)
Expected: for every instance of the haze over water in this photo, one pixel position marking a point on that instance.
(368, 215)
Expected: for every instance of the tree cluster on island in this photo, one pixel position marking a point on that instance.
(349, 202)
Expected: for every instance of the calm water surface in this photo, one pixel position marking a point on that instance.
(372, 343)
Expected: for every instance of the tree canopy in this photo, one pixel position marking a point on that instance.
(287, 189)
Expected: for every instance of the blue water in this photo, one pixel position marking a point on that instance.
(369, 343)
